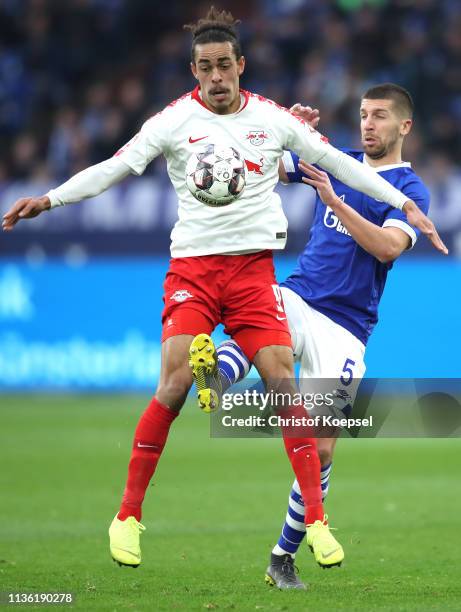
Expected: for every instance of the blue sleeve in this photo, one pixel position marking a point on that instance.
(418, 192)
(290, 163)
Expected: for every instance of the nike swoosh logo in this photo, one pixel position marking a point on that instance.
(295, 450)
(281, 318)
(146, 445)
(192, 140)
(128, 551)
(332, 552)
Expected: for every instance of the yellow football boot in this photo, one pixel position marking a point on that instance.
(328, 552)
(203, 361)
(124, 541)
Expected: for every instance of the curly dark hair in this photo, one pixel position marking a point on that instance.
(216, 26)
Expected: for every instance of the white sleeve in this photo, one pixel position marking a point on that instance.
(148, 143)
(288, 163)
(360, 177)
(311, 146)
(89, 182)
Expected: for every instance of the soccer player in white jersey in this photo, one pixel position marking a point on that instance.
(331, 298)
(221, 268)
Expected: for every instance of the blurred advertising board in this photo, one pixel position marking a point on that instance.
(95, 324)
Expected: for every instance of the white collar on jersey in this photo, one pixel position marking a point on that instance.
(386, 166)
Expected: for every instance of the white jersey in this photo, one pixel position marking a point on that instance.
(260, 131)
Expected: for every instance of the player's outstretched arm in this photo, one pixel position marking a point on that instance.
(24, 208)
(86, 184)
(362, 178)
(383, 243)
(386, 244)
(313, 148)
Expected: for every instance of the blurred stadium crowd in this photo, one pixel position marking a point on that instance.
(78, 77)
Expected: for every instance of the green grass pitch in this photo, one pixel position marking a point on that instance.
(213, 514)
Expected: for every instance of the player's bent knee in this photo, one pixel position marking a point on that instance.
(173, 391)
(275, 362)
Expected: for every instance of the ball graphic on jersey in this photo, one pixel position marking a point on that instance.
(216, 175)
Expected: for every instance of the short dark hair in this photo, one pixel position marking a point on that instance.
(390, 91)
(215, 27)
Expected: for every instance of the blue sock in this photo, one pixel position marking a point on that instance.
(233, 365)
(294, 528)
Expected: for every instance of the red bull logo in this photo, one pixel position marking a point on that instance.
(257, 137)
(254, 167)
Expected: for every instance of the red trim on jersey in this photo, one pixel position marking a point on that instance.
(284, 108)
(136, 136)
(196, 96)
(128, 144)
(189, 93)
(287, 110)
(173, 103)
(246, 96)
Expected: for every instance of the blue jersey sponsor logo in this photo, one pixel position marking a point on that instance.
(331, 220)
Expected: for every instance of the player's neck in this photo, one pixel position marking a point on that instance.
(234, 107)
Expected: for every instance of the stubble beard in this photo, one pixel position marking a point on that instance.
(376, 153)
(382, 151)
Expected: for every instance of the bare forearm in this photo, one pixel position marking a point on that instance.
(415, 217)
(372, 238)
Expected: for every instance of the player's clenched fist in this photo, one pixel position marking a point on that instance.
(25, 208)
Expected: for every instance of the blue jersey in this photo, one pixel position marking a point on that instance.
(334, 274)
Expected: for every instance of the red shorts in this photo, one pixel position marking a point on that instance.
(239, 291)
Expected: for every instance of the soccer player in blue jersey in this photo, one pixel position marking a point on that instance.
(331, 298)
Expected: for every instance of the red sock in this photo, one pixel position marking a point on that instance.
(149, 440)
(303, 456)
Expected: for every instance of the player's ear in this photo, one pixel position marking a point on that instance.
(193, 68)
(405, 126)
(240, 65)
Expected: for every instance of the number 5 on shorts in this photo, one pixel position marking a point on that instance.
(348, 375)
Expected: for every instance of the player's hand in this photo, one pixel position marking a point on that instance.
(310, 115)
(418, 219)
(320, 181)
(25, 208)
